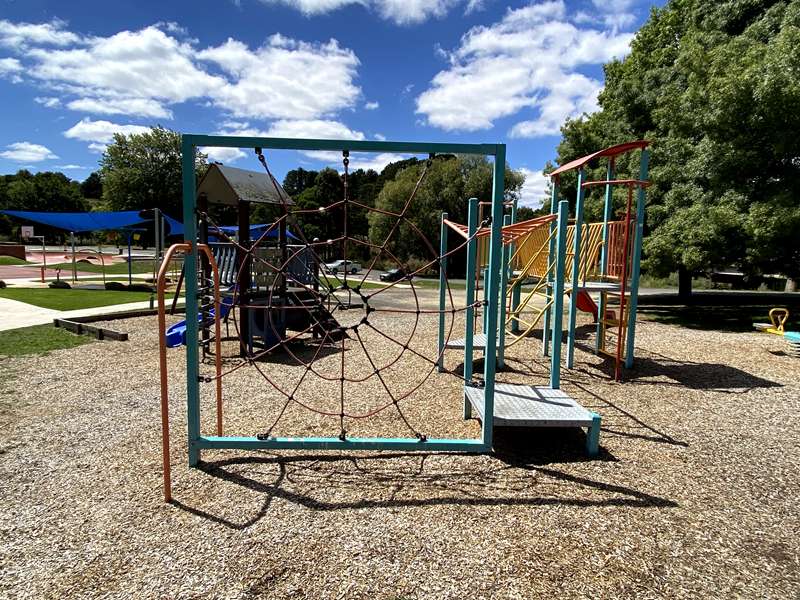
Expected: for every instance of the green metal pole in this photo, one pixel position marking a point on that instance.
(551, 253)
(517, 291)
(190, 266)
(469, 325)
(501, 334)
(495, 252)
(485, 277)
(576, 266)
(442, 290)
(608, 210)
(633, 301)
(558, 293)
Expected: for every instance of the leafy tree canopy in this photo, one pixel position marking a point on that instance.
(447, 185)
(43, 191)
(143, 170)
(715, 86)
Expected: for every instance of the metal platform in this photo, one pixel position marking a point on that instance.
(537, 406)
(478, 342)
(596, 286)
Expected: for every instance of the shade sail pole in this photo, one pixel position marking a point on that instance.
(74, 264)
(130, 263)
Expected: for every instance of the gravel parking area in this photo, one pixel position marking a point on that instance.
(694, 494)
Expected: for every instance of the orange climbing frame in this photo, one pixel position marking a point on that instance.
(185, 247)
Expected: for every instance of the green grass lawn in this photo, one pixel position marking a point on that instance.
(10, 260)
(38, 340)
(143, 266)
(71, 299)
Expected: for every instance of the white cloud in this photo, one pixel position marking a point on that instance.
(20, 35)
(72, 168)
(223, 155)
(140, 70)
(27, 152)
(9, 66)
(527, 62)
(142, 73)
(407, 12)
(534, 190)
(379, 136)
(287, 128)
(371, 105)
(48, 101)
(315, 129)
(474, 6)
(100, 133)
(402, 12)
(284, 79)
(140, 107)
(309, 128)
(376, 162)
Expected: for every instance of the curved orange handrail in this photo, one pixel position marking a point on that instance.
(162, 348)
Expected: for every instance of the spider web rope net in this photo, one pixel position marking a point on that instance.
(323, 297)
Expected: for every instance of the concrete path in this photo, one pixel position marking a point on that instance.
(14, 314)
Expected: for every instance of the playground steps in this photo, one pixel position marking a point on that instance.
(478, 342)
(793, 340)
(536, 406)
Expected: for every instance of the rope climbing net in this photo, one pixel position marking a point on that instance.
(311, 315)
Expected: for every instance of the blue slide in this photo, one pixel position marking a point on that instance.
(176, 334)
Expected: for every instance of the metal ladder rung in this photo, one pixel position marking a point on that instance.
(613, 322)
(607, 353)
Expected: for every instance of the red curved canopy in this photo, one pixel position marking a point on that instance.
(608, 152)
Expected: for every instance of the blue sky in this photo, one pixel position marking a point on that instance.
(73, 73)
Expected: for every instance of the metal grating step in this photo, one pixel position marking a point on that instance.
(531, 406)
(478, 342)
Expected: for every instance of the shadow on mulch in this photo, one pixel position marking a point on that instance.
(518, 456)
(664, 370)
(718, 318)
(653, 434)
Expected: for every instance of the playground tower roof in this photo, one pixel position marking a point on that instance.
(229, 185)
(607, 152)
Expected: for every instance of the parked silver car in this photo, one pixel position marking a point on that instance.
(342, 266)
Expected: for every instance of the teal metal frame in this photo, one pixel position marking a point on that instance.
(558, 294)
(469, 324)
(554, 207)
(501, 344)
(633, 299)
(442, 291)
(576, 268)
(198, 442)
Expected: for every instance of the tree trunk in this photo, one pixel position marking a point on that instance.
(684, 283)
(791, 285)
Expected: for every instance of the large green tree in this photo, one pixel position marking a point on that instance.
(143, 170)
(44, 191)
(715, 86)
(449, 181)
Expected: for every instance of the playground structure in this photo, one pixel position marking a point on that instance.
(600, 258)
(286, 294)
(278, 299)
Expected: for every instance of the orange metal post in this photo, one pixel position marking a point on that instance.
(162, 348)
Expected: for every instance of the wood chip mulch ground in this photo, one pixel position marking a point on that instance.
(694, 495)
